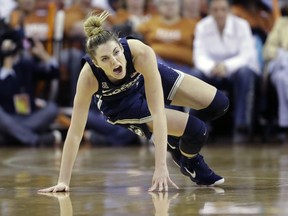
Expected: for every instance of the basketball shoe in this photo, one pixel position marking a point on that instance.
(199, 172)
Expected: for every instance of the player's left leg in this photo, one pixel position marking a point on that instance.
(211, 103)
(192, 135)
(199, 95)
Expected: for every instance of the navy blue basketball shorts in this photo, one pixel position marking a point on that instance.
(135, 116)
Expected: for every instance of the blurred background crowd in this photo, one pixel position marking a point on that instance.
(240, 46)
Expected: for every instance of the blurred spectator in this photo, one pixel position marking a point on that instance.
(138, 11)
(74, 16)
(35, 19)
(275, 6)
(258, 15)
(276, 55)
(126, 19)
(25, 8)
(133, 10)
(170, 35)
(261, 19)
(6, 8)
(21, 119)
(194, 9)
(109, 5)
(224, 52)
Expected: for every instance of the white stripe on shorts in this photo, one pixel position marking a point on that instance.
(176, 84)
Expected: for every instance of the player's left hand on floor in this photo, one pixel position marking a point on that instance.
(161, 180)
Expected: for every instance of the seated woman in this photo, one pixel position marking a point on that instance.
(276, 55)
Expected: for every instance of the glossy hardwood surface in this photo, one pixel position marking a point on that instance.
(114, 181)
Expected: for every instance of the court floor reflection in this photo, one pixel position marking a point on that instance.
(114, 181)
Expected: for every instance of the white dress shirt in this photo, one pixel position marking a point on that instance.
(235, 47)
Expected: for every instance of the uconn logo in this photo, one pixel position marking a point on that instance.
(122, 88)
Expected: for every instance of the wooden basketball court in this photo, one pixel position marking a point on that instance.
(114, 181)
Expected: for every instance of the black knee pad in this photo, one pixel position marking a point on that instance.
(194, 137)
(217, 108)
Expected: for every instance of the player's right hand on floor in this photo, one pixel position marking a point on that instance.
(61, 187)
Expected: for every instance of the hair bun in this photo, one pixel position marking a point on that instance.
(93, 25)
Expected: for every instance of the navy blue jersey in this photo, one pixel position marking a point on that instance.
(111, 93)
(125, 103)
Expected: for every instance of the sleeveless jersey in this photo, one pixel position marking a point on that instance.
(125, 104)
(111, 95)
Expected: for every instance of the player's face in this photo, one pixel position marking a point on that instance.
(110, 58)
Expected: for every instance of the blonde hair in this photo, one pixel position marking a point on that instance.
(95, 33)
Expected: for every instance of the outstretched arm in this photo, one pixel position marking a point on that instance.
(145, 62)
(87, 85)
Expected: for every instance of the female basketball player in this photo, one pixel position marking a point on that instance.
(131, 90)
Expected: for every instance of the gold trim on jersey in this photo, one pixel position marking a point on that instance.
(132, 121)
